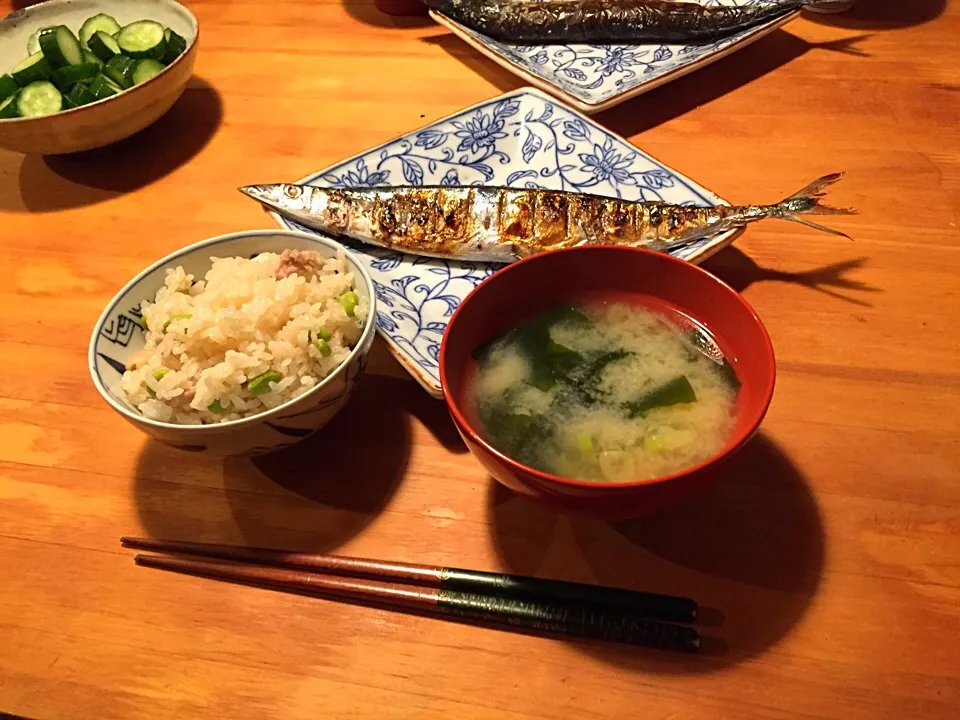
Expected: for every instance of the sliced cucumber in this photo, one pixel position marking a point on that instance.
(97, 23)
(80, 95)
(8, 86)
(147, 69)
(89, 57)
(143, 39)
(36, 67)
(60, 46)
(64, 72)
(70, 75)
(103, 45)
(103, 87)
(38, 99)
(8, 108)
(120, 70)
(176, 46)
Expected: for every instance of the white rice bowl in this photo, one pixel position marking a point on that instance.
(206, 339)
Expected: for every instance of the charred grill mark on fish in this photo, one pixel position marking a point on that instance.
(516, 216)
(502, 224)
(437, 222)
(604, 21)
(589, 217)
(551, 220)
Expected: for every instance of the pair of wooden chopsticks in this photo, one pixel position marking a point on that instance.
(588, 611)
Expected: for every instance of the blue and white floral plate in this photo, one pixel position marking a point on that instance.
(593, 78)
(521, 139)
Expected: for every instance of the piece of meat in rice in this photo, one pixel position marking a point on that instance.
(305, 263)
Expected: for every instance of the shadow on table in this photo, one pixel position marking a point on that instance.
(749, 549)
(680, 96)
(882, 14)
(740, 271)
(59, 182)
(313, 496)
(476, 62)
(366, 12)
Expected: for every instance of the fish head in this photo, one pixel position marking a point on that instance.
(324, 209)
(284, 197)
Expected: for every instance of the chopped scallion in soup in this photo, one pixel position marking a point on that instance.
(606, 393)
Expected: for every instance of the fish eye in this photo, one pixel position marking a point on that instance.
(292, 191)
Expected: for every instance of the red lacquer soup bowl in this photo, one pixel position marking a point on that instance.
(647, 278)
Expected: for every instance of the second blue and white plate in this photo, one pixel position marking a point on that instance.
(521, 139)
(593, 78)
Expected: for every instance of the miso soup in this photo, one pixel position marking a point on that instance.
(605, 392)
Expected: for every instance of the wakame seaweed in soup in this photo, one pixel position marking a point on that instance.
(607, 393)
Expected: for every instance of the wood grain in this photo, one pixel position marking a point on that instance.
(832, 545)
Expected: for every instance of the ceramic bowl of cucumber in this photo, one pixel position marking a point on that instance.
(81, 74)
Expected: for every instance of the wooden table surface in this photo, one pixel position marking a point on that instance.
(832, 545)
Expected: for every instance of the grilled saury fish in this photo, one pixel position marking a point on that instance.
(606, 21)
(498, 224)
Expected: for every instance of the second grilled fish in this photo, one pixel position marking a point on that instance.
(499, 224)
(606, 21)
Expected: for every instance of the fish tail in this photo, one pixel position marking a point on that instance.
(807, 202)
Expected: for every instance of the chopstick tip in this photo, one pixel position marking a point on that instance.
(136, 543)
